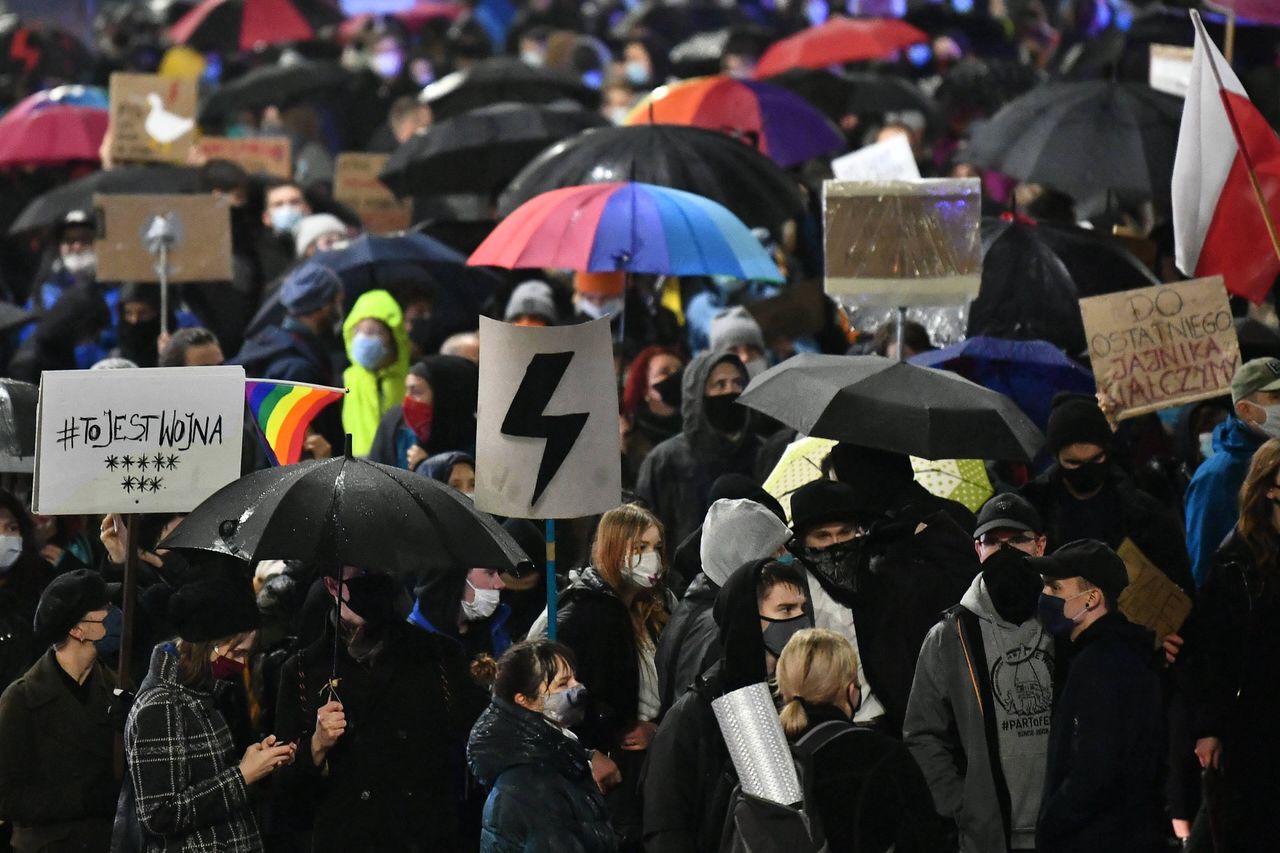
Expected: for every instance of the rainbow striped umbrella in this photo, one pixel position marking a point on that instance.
(282, 411)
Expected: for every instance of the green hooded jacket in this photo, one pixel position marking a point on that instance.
(373, 392)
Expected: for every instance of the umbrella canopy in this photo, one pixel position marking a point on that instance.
(236, 25)
(699, 161)
(885, 93)
(34, 54)
(369, 262)
(17, 426)
(47, 133)
(1034, 275)
(51, 207)
(630, 227)
(414, 18)
(980, 87)
(346, 511)
(1030, 373)
(273, 85)
(91, 97)
(828, 92)
(677, 19)
(1083, 138)
(701, 54)
(892, 405)
(838, 41)
(779, 123)
(1261, 11)
(503, 79)
(481, 150)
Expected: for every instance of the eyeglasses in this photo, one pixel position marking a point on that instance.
(990, 541)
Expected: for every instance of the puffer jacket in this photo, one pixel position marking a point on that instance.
(544, 798)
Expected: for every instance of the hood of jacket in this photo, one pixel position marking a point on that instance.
(1235, 437)
(78, 313)
(736, 532)
(703, 437)
(737, 614)
(440, 466)
(381, 306)
(372, 393)
(268, 345)
(507, 736)
(455, 387)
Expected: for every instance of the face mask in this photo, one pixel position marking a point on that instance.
(637, 73)
(109, 645)
(10, 550)
(387, 65)
(532, 58)
(417, 417)
(727, 284)
(596, 310)
(669, 389)
(78, 263)
(138, 340)
(486, 601)
(838, 564)
(1013, 586)
(786, 558)
(420, 333)
(724, 414)
(368, 351)
(284, 218)
(780, 631)
(1271, 426)
(1206, 445)
(755, 367)
(643, 570)
(618, 115)
(1051, 611)
(1087, 478)
(566, 708)
(226, 669)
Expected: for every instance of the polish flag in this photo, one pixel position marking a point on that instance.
(1218, 223)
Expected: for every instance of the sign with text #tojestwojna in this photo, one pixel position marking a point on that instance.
(136, 440)
(1162, 346)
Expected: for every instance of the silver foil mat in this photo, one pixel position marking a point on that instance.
(749, 722)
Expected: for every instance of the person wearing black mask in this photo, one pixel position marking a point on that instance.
(675, 479)
(984, 690)
(58, 785)
(139, 328)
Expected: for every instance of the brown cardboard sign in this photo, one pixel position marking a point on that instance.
(258, 155)
(153, 118)
(355, 183)
(201, 246)
(1151, 599)
(1162, 346)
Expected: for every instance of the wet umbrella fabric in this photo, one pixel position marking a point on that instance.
(838, 41)
(235, 25)
(346, 511)
(503, 79)
(273, 85)
(893, 405)
(17, 426)
(127, 180)
(34, 52)
(51, 135)
(703, 162)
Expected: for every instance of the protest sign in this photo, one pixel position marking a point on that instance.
(900, 243)
(1162, 346)
(257, 155)
(153, 118)
(1151, 599)
(145, 440)
(547, 442)
(1170, 69)
(891, 160)
(356, 184)
(200, 229)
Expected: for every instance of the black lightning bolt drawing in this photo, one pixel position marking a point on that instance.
(525, 416)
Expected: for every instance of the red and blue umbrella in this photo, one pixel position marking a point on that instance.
(55, 126)
(626, 227)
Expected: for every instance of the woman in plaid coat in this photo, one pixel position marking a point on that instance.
(190, 793)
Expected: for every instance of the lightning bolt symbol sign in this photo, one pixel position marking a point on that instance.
(525, 418)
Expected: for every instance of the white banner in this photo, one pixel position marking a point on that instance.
(547, 442)
(136, 440)
(891, 160)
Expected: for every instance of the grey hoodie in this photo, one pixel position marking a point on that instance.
(734, 533)
(946, 733)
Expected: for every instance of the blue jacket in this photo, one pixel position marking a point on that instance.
(289, 352)
(1212, 509)
(499, 638)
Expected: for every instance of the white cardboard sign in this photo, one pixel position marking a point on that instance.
(137, 440)
(547, 441)
(1170, 69)
(890, 160)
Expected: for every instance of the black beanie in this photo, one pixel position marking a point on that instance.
(65, 601)
(1076, 419)
(213, 609)
(891, 472)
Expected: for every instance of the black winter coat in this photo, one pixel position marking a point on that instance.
(1103, 791)
(689, 643)
(18, 599)
(544, 799)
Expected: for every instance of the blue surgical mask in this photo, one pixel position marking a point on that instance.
(637, 73)
(113, 624)
(368, 351)
(285, 218)
(1051, 611)
(786, 558)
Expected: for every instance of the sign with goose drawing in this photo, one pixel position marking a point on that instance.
(153, 118)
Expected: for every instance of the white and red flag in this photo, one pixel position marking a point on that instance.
(1226, 180)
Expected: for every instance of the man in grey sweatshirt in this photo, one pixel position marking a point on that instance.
(978, 718)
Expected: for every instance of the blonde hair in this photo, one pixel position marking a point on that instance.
(619, 530)
(816, 666)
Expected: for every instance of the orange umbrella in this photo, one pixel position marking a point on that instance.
(838, 41)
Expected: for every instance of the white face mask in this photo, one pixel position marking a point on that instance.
(486, 601)
(1206, 444)
(10, 550)
(79, 262)
(1271, 426)
(643, 570)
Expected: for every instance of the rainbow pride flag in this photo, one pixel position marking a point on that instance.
(283, 411)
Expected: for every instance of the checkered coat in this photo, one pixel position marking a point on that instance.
(190, 796)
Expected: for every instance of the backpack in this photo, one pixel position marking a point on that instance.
(753, 825)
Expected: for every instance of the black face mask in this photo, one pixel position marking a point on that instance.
(1013, 586)
(837, 564)
(422, 334)
(669, 389)
(1086, 478)
(779, 631)
(724, 414)
(138, 341)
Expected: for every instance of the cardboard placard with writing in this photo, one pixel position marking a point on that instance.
(1162, 346)
(896, 243)
(201, 226)
(158, 439)
(1151, 599)
(258, 155)
(356, 184)
(153, 118)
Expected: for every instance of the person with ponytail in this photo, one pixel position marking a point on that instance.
(869, 793)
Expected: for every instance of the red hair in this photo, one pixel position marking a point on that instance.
(636, 385)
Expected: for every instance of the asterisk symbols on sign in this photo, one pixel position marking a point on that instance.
(127, 462)
(173, 463)
(143, 463)
(112, 463)
(130, 483)
(158, 461)
(155, 484)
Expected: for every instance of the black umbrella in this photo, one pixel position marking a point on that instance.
(1082, 138)
(699, 161)
(978, 87)
(893, 405)
(35, 55)
(885, 93)
(346, 511)
(700, 55)
(17, 425)
(272, 85)
(481, 150)
(830, 93)
(503, 79)
(1034, 275)
(677, 19)
(1257, 339)
(127, 180)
